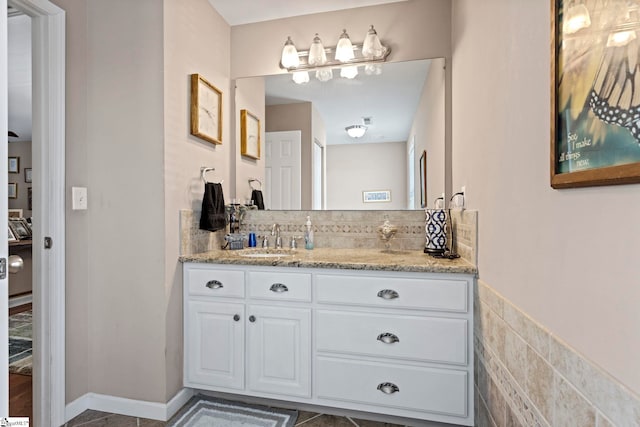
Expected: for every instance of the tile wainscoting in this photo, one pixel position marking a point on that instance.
(525, 376)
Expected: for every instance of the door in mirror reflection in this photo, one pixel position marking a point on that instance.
(283, 170)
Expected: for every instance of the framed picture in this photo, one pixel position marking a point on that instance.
(14, 164)
(27, 175)
(376, 196)
(30, 199)
(15, 213)
(423, 180)
(206, 110)
(11, 236)
(20, 228)
(249, 135)
(595, 129)
(13, 190)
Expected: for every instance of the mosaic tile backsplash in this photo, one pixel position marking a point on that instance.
(335, 229)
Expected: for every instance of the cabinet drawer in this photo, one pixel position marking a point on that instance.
(418, 388)
(279, 286)
(393, 292)
(215, 283)
(430, 339)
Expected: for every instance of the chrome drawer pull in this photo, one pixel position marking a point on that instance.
(278, 287)
(388, 338)
(388, 294)
(214, 284)
(388, 388)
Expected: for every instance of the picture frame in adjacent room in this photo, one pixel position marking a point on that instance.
(206, 110)
(12, 192)
(10, 236)
(249, 135)
(14, 164)
(423, 179)
(376, 196)
(595, 139)
(30, 198)
(15, 213)
(28, 177)
(20, 228)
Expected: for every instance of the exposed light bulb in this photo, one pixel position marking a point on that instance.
(301, 77)
(349, 72)
(344, 49)
(372, 48)
(290, 57)
(324, 75)
(317, 55)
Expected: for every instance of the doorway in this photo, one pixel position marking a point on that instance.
(48, 177)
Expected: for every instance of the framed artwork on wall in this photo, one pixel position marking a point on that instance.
(13, 190)
(595, 112)
(249, 135)
(376, 196)
(206, 110)
(28, 178)
(423, 179)
(14, 164)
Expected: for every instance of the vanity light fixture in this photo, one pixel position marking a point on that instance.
(356, 131)
(346, 56)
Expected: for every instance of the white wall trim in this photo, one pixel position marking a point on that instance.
(130, 407)
(21, 300)
(48, 89)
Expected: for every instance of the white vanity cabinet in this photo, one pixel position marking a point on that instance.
(259, 343)
(393, 343)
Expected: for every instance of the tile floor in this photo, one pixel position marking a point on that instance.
(305, 419)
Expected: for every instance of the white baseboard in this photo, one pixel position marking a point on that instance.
(130, 407)
(21, 300)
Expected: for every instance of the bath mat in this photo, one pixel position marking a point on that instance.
(205, 411)
(20, 358)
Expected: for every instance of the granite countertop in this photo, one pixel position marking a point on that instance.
(350, 259)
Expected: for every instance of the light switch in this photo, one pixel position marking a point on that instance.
(79, 198)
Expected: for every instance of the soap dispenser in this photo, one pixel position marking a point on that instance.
(308, 235)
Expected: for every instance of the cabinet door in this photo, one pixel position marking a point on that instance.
(215, 344)
(279, 353)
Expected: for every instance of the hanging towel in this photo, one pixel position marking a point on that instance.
(256, 197)
(213, 216)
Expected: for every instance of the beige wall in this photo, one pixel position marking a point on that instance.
(250, 96)
(400, 25)
(428, 129)
(567, 258)
(196, 40)
(354, 168)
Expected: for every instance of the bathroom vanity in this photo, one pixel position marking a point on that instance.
(353, 329)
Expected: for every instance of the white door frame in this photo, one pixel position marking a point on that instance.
(4, 250)
(48, 145)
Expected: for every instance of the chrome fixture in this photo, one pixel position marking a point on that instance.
(345, 55)
(275, 231)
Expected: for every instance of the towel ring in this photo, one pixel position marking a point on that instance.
(203, 172)
(251, 180)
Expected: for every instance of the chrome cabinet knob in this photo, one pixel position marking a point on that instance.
(278, 287)
(214, 284)
(252, 318)
(388, 294)
(388, 388)
(388, 338)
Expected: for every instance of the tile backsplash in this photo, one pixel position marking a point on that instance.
(335, 229)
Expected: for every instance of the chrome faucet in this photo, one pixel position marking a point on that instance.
(275, 231)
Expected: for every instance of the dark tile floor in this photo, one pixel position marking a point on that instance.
(305, 419)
